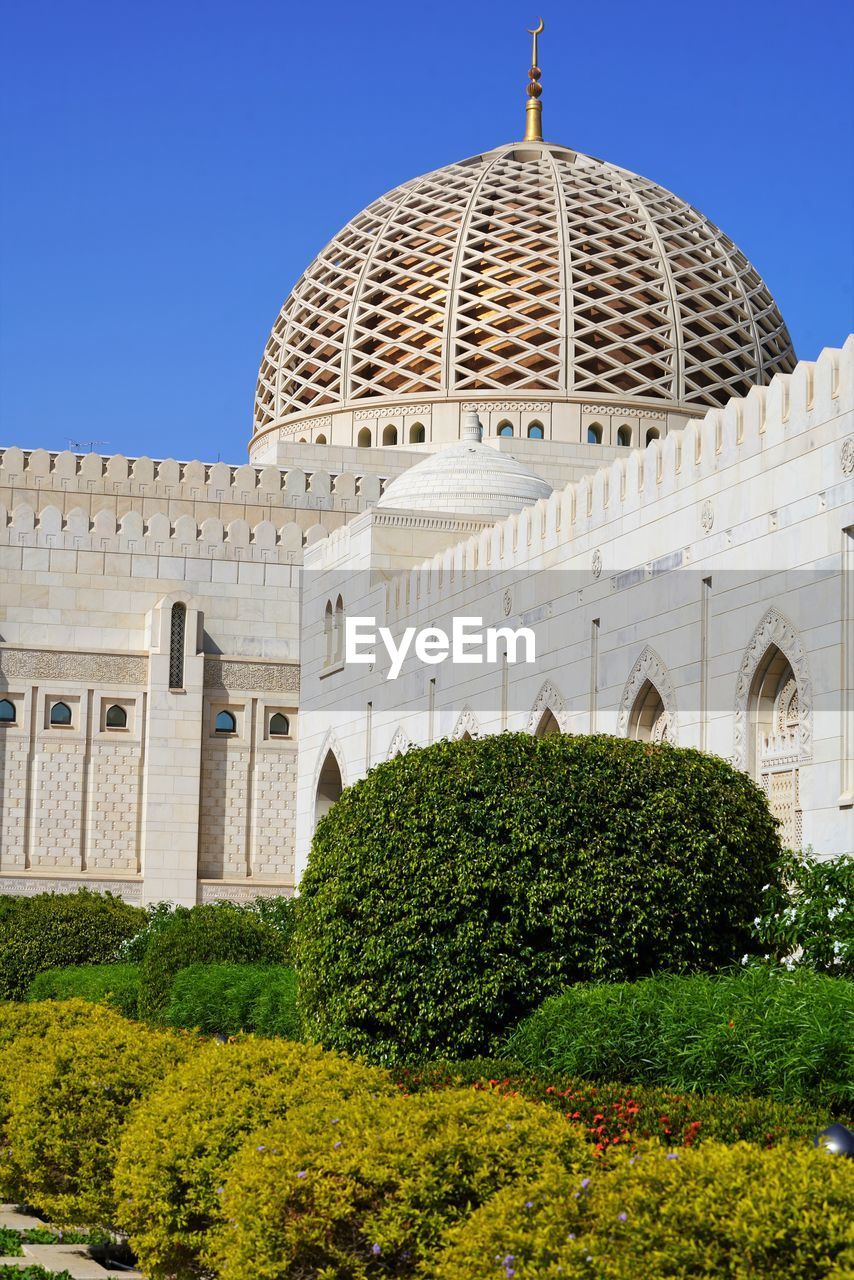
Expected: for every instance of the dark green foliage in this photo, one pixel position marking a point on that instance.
(280, 914)
(55, 930)
(620, 1114)
(113, 984)
(157, 916)
(217, 932)
(757, 1030)
(226, 999)
(455, 887)
(807, 915)
(10, 1272)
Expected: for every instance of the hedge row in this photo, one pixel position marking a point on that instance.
(618, 1114)
(55, 930)
(265, 1157)
(225, 999)
(761, 1030)
(113, 984)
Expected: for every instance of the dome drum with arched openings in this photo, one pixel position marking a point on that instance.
(528, 269)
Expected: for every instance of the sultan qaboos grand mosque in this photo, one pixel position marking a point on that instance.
(530, 387)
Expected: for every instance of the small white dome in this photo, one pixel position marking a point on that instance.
(468, 478)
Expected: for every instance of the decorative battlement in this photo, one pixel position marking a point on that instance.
(168, 478)
(792, 405)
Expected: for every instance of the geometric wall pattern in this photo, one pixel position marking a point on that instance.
(531, 268)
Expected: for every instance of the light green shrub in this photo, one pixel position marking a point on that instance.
(175, 1150)
(733, 1212)
(230, 998)
(113, 984)
(757, 1030)
(368, 1187)
(67, 1105)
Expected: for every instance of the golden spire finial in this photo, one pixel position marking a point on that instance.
(534, 108)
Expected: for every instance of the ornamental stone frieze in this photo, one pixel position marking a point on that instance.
(258, 677)
(83, 668)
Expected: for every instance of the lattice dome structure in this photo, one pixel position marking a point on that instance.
(531, 268)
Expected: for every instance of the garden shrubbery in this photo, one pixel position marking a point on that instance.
(807, 914)
(55, 930)
(614, 1114)
(171, 1169)
(214, 933)
(113, 984)
(455, 887)
(716, 1211)
(368, 1189)
(226, 999)
(66, 1104)
(757, 1030)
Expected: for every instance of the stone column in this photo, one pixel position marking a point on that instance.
(170, 822)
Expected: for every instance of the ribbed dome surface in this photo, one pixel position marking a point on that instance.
(528, 268)
(466, 478)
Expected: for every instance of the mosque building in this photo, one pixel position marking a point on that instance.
(531, 389)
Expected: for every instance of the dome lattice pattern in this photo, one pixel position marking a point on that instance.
(530, 268)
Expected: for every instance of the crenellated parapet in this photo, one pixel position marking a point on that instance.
(149, 506)
(703, 466)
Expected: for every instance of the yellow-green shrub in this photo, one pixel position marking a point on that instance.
(68, 1102)
(28, 1033)
(714, 1211)
(368, 1188)
(174, 1153)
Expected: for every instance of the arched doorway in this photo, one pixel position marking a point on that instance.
(648, 720)
(329, 786)
(774, 742)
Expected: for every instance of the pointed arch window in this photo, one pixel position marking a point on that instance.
(535, 431)
(60, 714)
(280, 726)
(416, 433)
(177, 630)
(653, 433)
(594, 433)
(390, 434)
(116, 717)
(226, 722)
(505, 428)
(363, 439)
(624, 437)
(8, 714)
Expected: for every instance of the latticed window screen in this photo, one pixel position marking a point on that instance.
(527, 268)
(176, 646)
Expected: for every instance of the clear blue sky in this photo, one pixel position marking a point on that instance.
(168, 169)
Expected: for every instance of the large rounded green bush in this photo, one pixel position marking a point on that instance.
(55, 930)
(455, 887)
(209, 934)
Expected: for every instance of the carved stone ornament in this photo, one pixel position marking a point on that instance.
(774, 629)
(466, 724)
(649, 668)
(26, 886)
(211, 891)
(259, 677)
(399, 745)
(549, 699)
(707, 515)
(393, 411)
(507, 602)
(848, 456)
(597, 563)
(82, 668)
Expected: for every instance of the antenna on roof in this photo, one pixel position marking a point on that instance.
(86, 446)
(534, 108)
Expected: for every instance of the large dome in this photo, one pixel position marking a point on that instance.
(531, 268)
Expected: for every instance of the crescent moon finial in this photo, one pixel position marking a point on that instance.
(534, 112)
